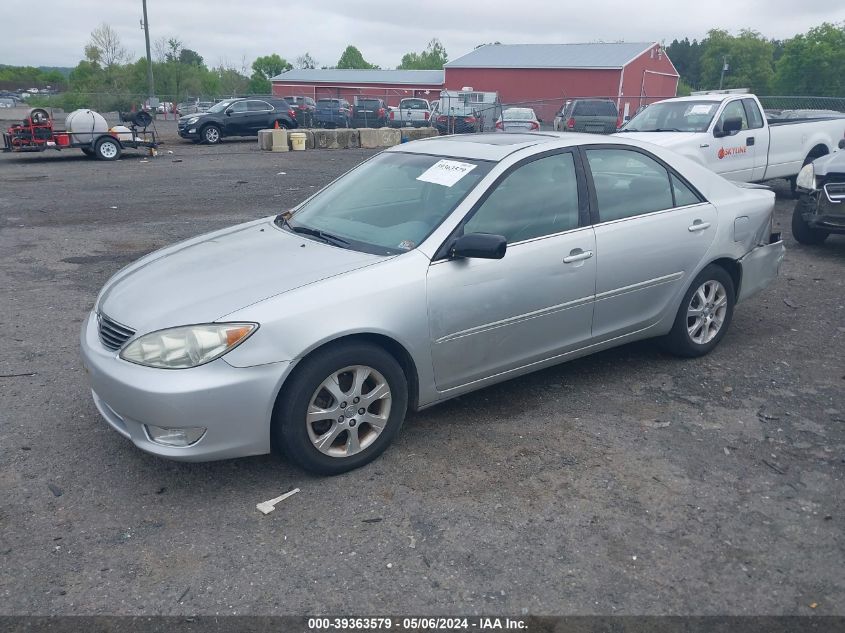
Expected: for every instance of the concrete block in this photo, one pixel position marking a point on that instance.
(347, 139)
(416, 133)
(280, 140)
(265, 140)
(381, 137)
(325, 139)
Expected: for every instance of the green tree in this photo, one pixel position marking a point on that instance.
(190, 58)
(749, 57)
(686, 56)
(352, 58)
(432, 58)
(813, 63)
(264, 69)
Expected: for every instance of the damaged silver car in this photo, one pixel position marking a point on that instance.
(430, 270)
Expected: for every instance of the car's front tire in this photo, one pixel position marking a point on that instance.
(210, 134)
(803, 232)
(341, 408)
(704, 315)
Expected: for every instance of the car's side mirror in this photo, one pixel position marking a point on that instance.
(229, 112)
(479, 246)
(842, 143)
(729, 126)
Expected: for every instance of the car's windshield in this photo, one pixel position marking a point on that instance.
(220, 107)
(391, 203)
(674, 116)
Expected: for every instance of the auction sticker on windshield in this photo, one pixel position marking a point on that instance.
(446, 172)
(699, 108)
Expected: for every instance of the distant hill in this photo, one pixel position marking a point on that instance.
(65, 70)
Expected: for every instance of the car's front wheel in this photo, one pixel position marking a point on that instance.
(704, 315)
(210, 134)
(341, 408)
(803, 232)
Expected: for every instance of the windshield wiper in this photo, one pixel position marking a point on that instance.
(665, 129)
(328, 238)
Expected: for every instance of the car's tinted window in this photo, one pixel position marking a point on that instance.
(628, 183)
(732, 110)
(258, 106)
(414, 104)
(328, 103)
(595, 108)
(238, 106)
(369, 103)
(755, 119)
(538, 198)
(683, 194)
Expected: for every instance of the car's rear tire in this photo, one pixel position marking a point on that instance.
(210, 134)
(361, 391)
(107, 148)
(803, 232)
(704, 315)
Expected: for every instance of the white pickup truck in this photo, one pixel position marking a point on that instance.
(729, 134)
(412, 112)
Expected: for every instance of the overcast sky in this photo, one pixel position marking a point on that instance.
(384, 30)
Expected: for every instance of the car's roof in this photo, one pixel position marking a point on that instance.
(495, 147)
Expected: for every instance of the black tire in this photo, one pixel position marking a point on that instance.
(107, 148)
(679, 342)
(87, 151)
(210, 134)
(289, 430)
(803, 232)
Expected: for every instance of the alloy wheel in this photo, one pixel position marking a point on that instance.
(706, 312)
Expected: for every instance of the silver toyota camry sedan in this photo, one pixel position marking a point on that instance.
(432, 269)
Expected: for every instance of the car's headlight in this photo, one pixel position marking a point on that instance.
(192, 120)
(187, 346)
(806, 178)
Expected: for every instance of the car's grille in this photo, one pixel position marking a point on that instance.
(112, 334)
(835, 191)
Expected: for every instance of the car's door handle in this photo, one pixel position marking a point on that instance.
(698, 225)
(577, 255)
(749, 141)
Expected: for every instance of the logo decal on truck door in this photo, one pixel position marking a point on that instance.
(731, 151)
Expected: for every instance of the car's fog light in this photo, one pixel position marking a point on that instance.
(175, 437)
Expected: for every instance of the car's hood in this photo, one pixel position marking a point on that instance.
(831, 164)
(206, 278)
(671, 140)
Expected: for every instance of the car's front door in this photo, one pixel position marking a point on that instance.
(732, 156)
(235, 119)
(652, 231)
(490, 316)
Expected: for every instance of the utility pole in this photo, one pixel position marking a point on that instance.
(724, 68)
(150, 86)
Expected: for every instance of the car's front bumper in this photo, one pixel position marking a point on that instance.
(234, 404)
(760, 266)
(189, 131)
(821, 210)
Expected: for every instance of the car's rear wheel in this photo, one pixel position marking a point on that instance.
(210, 134)
(704, 315)
(803, 232)
(341, 408)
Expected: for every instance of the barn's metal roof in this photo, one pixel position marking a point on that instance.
(363, 77)
(596, 55)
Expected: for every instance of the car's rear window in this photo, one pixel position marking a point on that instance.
(414, 104)
(595, 108)
(328, 102)
(368, 103)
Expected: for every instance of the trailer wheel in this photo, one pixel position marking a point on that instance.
(107, 149)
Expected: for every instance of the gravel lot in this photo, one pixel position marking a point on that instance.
(627, 482)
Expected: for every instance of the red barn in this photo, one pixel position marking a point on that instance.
(544, 75)
(390, 85)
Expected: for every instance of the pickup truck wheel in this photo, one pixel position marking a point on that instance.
(803, 232)
(704, 315)
(210, 134)
(341, 408)
(107, 149)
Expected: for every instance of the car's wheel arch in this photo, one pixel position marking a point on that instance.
(817, 151)
(389, 344)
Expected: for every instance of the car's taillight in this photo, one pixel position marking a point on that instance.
(571, 123)
(292, 114)
(500, 125)
(535, 125)
(470, 119)
(442, 119)
(426, 115)
(381, 111)
(392, 115)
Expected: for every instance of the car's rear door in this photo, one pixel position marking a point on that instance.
(259, 115)
(492, 316)
(652, 230)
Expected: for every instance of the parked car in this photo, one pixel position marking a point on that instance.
(204, 106)
(305, 108)
(411, 112)
(7, 102)
(729, 134)
(236, 117)
(370, 112)
(820, 209)
(333, 113)
(518, 120)
(164, 107)
(187, 107)
(596, 116)
(433, 269)
(458, 120)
